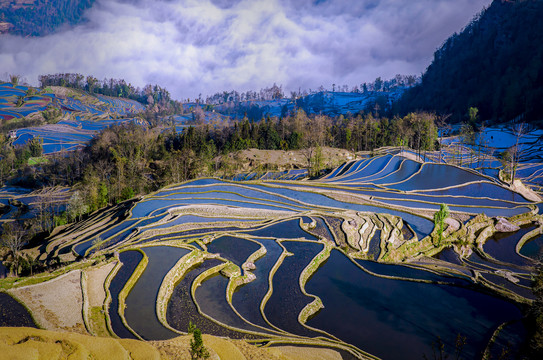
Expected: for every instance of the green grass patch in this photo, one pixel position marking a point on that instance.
(38, 160)
(15, 282)
(97, 319)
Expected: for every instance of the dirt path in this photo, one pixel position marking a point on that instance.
(96, 278)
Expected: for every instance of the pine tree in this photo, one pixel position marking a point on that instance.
(439, 220)
(197, 348)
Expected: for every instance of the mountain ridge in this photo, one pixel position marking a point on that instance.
(495, 64)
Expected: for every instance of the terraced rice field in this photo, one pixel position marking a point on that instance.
(80, 121)
(350, 261)
(490, 143)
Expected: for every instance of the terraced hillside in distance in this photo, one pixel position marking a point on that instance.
(78, 116)
(278, 261)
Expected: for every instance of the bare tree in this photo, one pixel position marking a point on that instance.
(76, 206)
(516, 152)
(444, 129)
(14, 238)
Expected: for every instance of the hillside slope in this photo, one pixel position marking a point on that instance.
(494, 64)
(39, 17)
(28, 343)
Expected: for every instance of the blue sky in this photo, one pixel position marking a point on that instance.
(204, 46)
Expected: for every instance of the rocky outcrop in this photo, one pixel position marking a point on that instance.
(503, 225)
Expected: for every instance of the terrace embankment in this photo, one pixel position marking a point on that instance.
(255, 159)
(52, 311)
(28, 343)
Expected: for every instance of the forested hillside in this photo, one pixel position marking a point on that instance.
(494, 64)
(40, 17)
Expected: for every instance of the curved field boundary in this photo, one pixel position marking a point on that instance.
(214, 230)
(198, 281)
(38, 325)
(176, 274)
(401, 278)
(291, 203)
(141, 236)
(526, 237)
(233, 203)
(502, 291)
(240, 280)
(486, 354)
(273, 203)
(351, 349)
(330, 228)
(359, 169)
(128, 286)
(85, 308)
(246, 185)
(269, 293)
(314, 307)
(107, 300)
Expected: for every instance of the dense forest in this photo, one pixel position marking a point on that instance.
(41, 17)
(126, 160)
(494, 64)
(150, 94)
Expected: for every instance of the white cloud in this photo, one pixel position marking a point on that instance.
(193, 47)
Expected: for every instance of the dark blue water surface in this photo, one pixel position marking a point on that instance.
(396, 319)
(182, 309)
(211, 296)
(232, 248)
(140, 312)
(533, 248)
(12, 313)
(441, 175)
(289, 229)
(247, 299)
(130, 260)
(287, 300)
(501, 246)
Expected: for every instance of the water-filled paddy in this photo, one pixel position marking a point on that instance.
(483, 189)
(181, 308)
(140, 310)
(232, 248)
(226, 191)
(197, 219)
(507, 212)
(501, 246)
(289, 229)
(432, 175)
(287, 299)
(407, 169)
(158, 206)
(115, 230)
(211, 297)
(533, 248)
(12, 313)
(375, 165)
(392, 165)
(130, 260)
(385, 317)
(247, 298)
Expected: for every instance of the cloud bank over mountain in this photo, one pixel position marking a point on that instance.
(204, 46)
